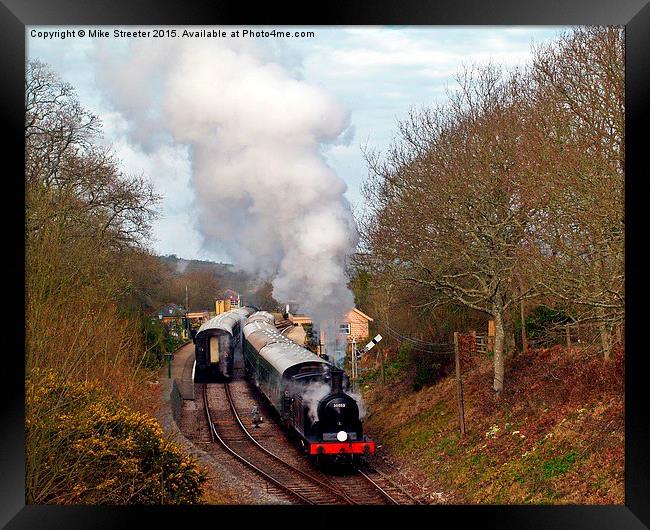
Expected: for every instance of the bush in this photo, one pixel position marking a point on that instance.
(427, 371)
(154, 340)
(84, 447)
(420, 364)
(541, 322)
(158, 342)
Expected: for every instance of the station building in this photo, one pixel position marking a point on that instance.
(354, 325)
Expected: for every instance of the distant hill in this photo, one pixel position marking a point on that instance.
(182, 265)
(207, 281)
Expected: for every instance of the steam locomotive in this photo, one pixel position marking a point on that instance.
(307, 392)
(216, 343)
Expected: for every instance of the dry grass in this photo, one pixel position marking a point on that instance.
(555, 435)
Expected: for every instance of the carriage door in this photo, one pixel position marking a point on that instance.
(214, 349)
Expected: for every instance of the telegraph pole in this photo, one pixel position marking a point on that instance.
(353, 364)
(459, 386)
(366, 349)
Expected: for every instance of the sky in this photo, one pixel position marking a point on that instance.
(376, 74)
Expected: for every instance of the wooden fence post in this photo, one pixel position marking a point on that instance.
(524, 337)
(459, 386)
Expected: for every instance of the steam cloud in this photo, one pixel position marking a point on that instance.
(311, 395)
(263, 191)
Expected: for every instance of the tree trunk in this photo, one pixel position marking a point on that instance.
(605, 336)
(498, 350)
(512, 342)
(606, 340)
(524, 338)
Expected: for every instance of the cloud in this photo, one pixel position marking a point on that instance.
(376, 73)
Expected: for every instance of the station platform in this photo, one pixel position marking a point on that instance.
(182, 386)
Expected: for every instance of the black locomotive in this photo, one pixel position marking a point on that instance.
(307, 392)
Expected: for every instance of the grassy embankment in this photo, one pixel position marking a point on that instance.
(556, 435)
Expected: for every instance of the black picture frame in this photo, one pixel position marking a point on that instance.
(16, 14)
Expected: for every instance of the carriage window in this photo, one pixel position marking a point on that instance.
(214, 349)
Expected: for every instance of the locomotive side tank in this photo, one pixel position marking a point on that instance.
(216, 343)
(306, 391)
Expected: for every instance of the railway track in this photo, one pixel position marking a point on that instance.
(390, 490)
(308, 485)
(227, 428)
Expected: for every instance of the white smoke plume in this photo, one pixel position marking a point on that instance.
(311, 394)
(263, 190)
(181, 266)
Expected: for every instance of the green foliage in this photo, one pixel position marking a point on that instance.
(155, 342)
(427, 371)
(417, 365)
(87, 448)
(420, 364)
(560, 465)
(404, 354)
(541, 320)
(158, 341)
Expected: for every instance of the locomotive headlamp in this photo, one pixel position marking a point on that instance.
(341, 436)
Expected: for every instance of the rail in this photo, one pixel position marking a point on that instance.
(215, 435)
(383, 491)
(309, 477)
(338, 495)
(305, 493)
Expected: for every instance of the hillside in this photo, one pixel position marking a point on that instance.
(201, 282)
(556, 434)
(181, 265)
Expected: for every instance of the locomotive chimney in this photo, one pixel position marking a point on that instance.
(337, 380)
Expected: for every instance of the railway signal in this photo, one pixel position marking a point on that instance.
(356, 355)
(371, 344)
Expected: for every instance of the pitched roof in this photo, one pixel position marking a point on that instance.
(171, 310)
(363, 314)
(306, 318)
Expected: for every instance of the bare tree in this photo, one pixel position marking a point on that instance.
(576, 141)
(70, 180)
(450, 210)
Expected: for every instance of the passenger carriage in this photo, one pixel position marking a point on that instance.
(216, 343)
